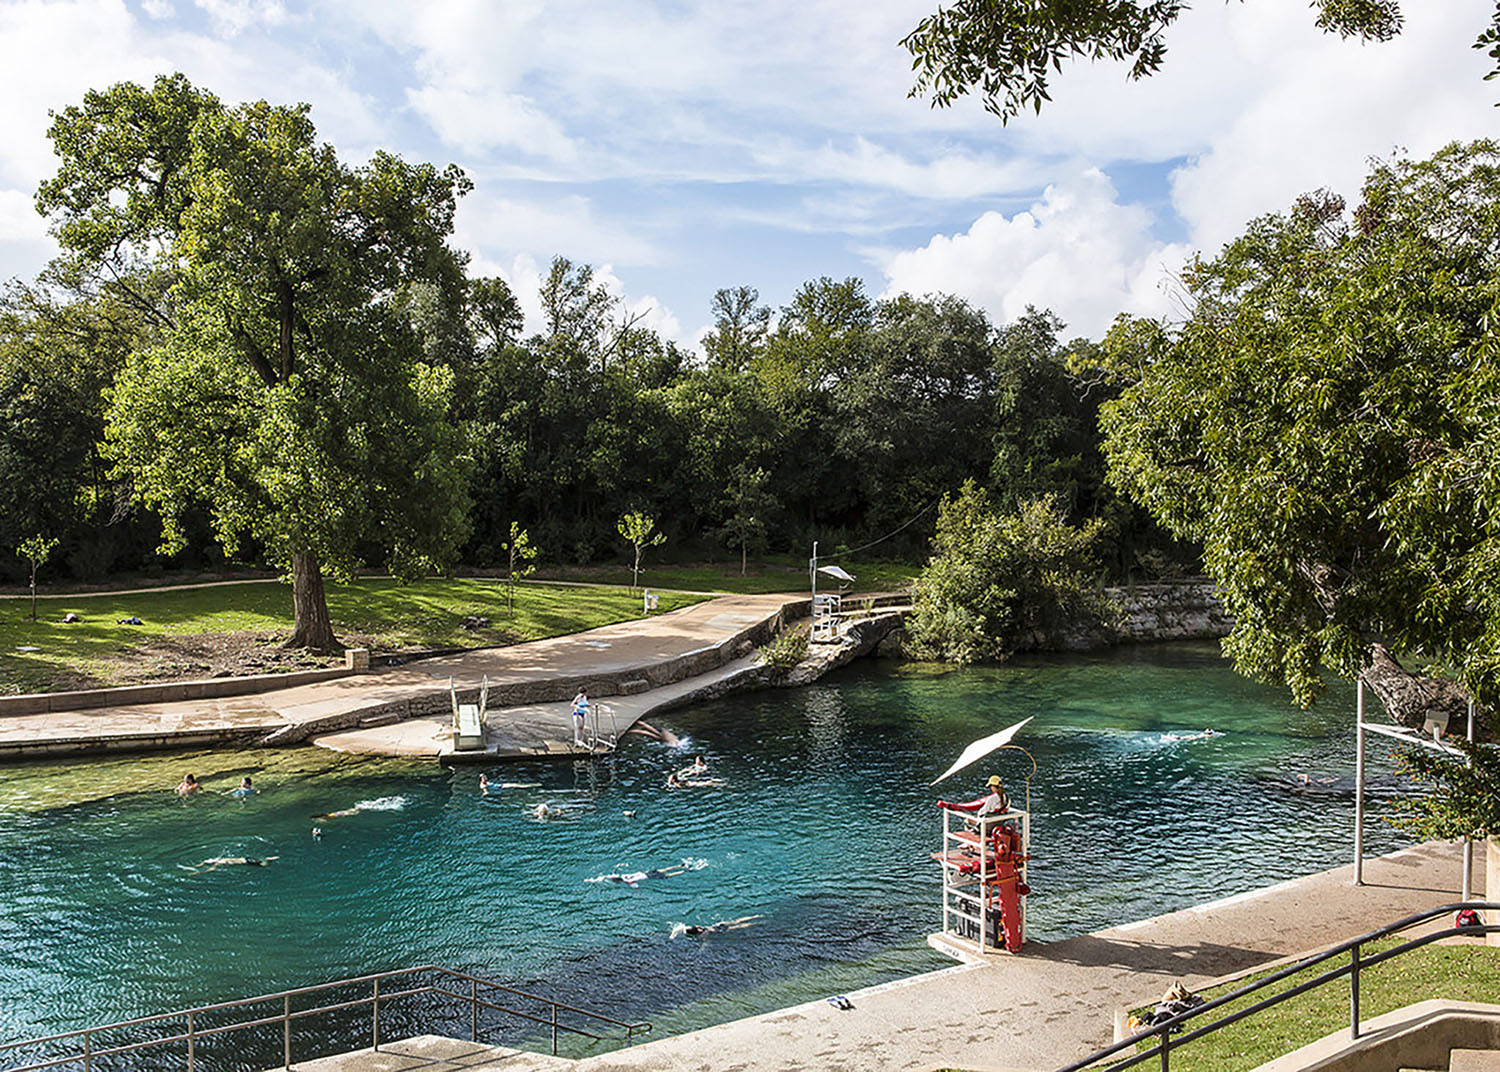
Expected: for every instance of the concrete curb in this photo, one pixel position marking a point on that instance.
(41, 703)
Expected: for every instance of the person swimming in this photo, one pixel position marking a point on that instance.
(694, 930)
(245, 788)
(635, 878)
(675, 780)
(215, 862)
(698, 766)
(341, 813)
(187, 786)
(484, 785)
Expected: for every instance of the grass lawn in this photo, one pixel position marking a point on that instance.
(197, 632)
(1462, 972)
(773, 576)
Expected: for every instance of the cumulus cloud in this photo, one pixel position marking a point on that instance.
(231, 17)
(1077, 251)
(479, 121)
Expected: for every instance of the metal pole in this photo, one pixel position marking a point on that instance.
(554, 1029)
(286, 1031)
(1166, 1044)
(473, 1011)
(812, 571)
(191, 1041)
(88, 1050)
(1354, 993)
(1359, 783)
(1468, 890)
(375, 1018)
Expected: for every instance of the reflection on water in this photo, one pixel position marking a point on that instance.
(822, 829)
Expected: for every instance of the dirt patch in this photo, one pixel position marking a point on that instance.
(199, 656)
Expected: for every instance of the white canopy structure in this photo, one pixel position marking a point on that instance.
(982, 747)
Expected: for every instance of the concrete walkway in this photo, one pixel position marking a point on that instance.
(625, 657)
(1053, 1003)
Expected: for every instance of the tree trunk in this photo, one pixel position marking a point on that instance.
(744, 550)
(1409, 698)
(311, 625)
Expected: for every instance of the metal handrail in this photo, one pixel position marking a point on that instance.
(91, 1052)
(1352, 969)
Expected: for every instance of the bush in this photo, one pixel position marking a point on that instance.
(784, 651)
(997, 583)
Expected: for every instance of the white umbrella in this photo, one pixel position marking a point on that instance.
(981, 748)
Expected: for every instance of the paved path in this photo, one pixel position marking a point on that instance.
(545, 666)
(1053, 1003)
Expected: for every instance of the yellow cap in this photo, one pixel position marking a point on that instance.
(994, 779)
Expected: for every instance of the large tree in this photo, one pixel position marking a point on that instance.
(1327, 424)
(288, 392)
(1006, 49)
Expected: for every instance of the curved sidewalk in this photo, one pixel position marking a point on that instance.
(615, 659)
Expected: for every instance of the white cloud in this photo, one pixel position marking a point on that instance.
(951, 173)
(1327, 107)
(524, 277)
(1078, 251)
(233, 17)
(19, 221)
(479, 121)
(158, 9)
(567, 225)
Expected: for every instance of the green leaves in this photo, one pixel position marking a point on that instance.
(999, 583)
(1325, 423)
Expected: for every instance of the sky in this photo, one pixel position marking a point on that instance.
(681, 147)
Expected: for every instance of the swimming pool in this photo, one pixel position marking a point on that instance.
(822, 829)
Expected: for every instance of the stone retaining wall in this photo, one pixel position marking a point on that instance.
(39, 703)
(1184, 610)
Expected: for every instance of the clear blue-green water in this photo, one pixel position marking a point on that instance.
(823, 829)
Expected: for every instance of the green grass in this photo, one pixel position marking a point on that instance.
(382, 613)
(1467, 972)
(760, 577)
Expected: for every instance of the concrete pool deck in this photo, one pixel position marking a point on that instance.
(1053, 1003)
(622, 659)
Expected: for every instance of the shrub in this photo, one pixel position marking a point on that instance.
(1001, 583)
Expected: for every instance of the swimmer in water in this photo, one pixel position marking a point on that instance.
(187, 786)
(215, 862)
(699, 766)
(336, 814)
(484, 785)
(635, 878)
(676, 781)
(694, 930)
(541, 811)
(245, 789)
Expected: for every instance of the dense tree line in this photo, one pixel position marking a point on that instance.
(837, 418)
(250, 349)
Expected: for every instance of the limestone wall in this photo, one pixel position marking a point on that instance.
(1184, 610)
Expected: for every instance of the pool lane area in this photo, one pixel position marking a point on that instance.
(821, 828)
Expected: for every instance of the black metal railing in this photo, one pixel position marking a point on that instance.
(1356, 963)
(190, 1027)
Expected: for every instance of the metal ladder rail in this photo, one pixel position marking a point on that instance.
(90, 1052)
(1352, 969)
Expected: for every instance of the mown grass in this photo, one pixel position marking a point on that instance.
(1460, 972)
(387, 615)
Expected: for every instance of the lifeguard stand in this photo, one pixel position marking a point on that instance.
(827, 606)
(984, 880)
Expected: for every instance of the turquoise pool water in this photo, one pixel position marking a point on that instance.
(822, 829)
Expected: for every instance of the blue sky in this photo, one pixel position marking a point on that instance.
(682, 147)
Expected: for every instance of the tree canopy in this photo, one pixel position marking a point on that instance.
(1006, 50)
(1327, 424)
(287, 392)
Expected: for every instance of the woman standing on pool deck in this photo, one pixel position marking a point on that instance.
(580, 715)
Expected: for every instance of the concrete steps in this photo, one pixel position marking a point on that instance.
(1460, 1060)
